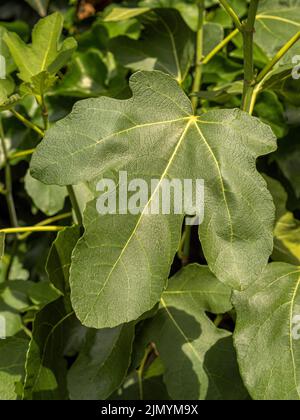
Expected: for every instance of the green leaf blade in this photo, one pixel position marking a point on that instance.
(199, 358)
(12, 356)
(267, 334)
(102, 363)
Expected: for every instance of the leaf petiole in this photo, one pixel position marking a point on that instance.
(21, 154)
(47, 222)
(75, 204)
(232, 14)
(220, 46)
(199, 55)
(248, 37)
(32, 229)
(28, 123)
(269, 67)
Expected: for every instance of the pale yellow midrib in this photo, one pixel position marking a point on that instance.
(191, 120)
(271, 17)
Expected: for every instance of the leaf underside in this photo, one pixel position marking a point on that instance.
(155, 135)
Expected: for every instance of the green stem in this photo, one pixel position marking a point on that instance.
(248, 37)
(269, 67)
(45, 113)
(253, 91)
(187, 245)
(195, 102)
(75, 204)
(232, 14)
(220, 46)
(218, 320)
(21, 154)
(199, 55)
(32, 229)
(141, 370)
(47, 222)
(27, 123)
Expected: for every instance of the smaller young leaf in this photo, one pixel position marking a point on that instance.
(12, 356)
(45, 53)
(102, 364)
(39, 84)
(49, 199)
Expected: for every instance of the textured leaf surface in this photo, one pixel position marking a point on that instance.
(44, 54)
(45, 366)
(12, 360)
(277, 22)
(50, 199)
(166, 45)
(155, 134)
(102, 363)
(200, 364)
(197, 283)
(267, 334)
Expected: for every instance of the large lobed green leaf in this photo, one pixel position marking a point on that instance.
(267, 334)
(155, 135)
